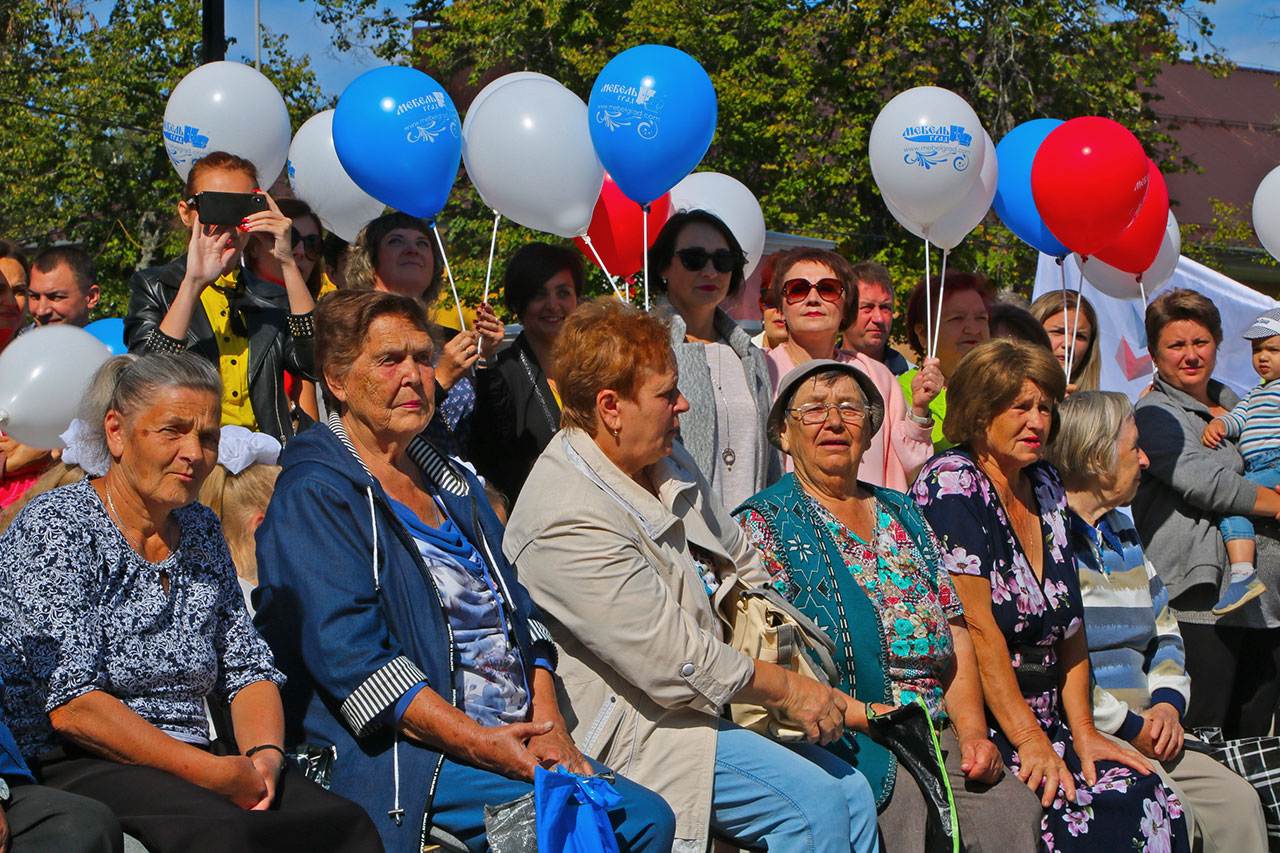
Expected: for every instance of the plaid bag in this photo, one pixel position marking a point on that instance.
(1257, 759)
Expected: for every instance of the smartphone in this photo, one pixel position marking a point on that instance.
(228, 208)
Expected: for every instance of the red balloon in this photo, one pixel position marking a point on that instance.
(1088, 180)
(616, 231)
(1140, 243)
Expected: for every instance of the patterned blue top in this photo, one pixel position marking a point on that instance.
(449, 427)
(82, 611)
(490, 675)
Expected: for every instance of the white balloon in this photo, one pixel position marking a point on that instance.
(495, 85)
(528, 151)
(731, 201)
(1124, 285)
(956, 223)
(317, 177)
(43, 376)
(926, 152)
(1266, 212)
(232, 107)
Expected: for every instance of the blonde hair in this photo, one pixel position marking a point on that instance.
(1087, 374)
(236, 499)
(989, 378)
(60, 474)
(1084, 448)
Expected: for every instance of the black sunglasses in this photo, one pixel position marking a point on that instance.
(695, 258)
(310, 243)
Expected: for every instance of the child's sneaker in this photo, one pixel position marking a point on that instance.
(1239, 592)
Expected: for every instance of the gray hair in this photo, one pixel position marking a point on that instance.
(127, 383)
(1084, 448)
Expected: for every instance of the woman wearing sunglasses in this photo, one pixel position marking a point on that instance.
(817, 293)
(699, 265)
(305, 236)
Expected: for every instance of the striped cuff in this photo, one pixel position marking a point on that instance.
(378, 692)
(544, 644)
(302, 325)
(158, 341)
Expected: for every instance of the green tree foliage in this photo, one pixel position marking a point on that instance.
(800, 83)
(81, 106)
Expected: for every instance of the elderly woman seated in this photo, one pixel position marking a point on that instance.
(412, 651)
(122, 615)
(860, 561)
(1000, 513)
(1135, 647)
(630, 555)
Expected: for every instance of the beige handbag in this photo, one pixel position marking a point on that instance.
(765, 626)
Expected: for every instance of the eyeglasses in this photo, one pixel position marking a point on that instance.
(812, 414)
(797, 289)
(695, 258)
(310, 243)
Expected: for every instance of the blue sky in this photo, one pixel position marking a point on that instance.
(1247, 30)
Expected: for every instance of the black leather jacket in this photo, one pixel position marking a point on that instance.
(263, 311)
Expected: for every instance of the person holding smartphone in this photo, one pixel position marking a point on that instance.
(209, 304)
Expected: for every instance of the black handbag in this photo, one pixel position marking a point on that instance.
(908, 733)
(1257, 759)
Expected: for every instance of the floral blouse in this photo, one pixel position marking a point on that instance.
(961, 505)
(890, 570)
(82, 611)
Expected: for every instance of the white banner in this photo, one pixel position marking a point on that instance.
(1126, 364)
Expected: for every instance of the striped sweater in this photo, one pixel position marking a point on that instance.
(1255, 421)
(1135, 648)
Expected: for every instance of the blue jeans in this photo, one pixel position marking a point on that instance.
(795, 798)
(1262, 470)
(644, 821)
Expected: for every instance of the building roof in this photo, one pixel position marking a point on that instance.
(1228, 126)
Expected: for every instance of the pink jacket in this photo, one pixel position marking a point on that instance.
(900, 448)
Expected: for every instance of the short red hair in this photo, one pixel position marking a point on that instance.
(606, 344)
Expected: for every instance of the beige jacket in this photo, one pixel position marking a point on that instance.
(644, 670)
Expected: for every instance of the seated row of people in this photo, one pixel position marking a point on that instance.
(436, 679)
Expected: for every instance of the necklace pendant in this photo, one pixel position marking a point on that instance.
(729, 457)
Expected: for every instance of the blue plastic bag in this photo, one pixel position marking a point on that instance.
(573, 811)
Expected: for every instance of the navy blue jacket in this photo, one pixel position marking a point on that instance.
(351, 645)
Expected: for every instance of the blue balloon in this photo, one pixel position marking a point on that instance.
(397, 135)
(652, 117)
(109, 330)
(1013, 202)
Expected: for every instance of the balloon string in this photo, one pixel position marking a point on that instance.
(462, 322)
(1142, 291)
(493, 244)
(942, 283)
(644, 248)
(1075, 326)
(613, 281)
(928, 303)
(1066, 350)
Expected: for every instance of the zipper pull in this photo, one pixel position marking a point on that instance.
(396, 815)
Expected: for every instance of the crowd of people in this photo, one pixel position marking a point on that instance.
(314, 572)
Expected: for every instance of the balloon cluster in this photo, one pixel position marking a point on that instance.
(1086, 186)
(604, 172)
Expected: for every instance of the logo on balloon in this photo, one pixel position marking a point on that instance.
(936, 145)
(184, 135)
(636, 105)
(431, 127)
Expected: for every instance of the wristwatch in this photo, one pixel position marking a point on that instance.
(926, 421)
